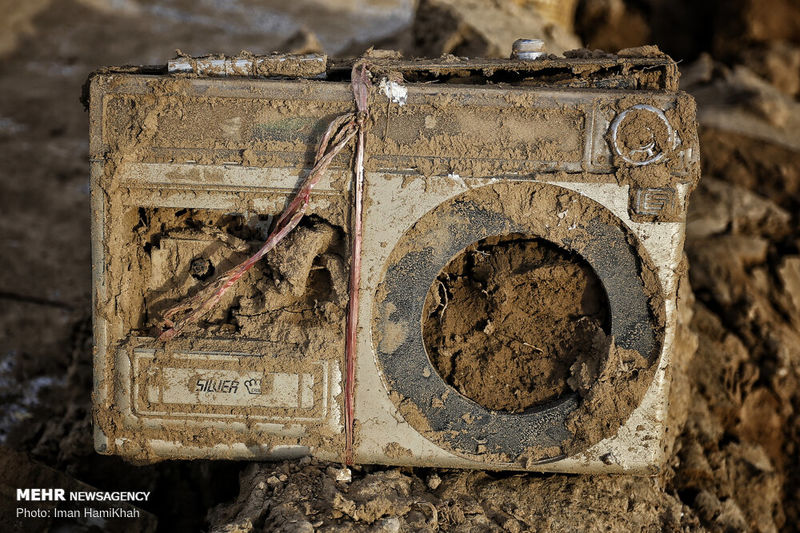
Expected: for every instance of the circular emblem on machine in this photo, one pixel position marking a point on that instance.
(641, 135)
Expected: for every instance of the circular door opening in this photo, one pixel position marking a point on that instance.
(507, 318)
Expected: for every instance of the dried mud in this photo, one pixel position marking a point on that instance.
(734, 464)
(302, 283)
(508, 319)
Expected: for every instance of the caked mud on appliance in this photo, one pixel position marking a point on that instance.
(592, 156)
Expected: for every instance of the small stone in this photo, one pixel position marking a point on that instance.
(608, 458)
(273, 481)
(283, 477)
(434, 481)
(344, 475)
(388, 525)
(340, 474)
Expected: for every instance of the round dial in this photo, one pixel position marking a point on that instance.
(641, 135)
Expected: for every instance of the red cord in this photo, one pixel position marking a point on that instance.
(360, 84)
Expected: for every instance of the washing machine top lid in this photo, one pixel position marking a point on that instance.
(638, 69)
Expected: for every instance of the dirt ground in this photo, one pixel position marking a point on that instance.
(735, 465)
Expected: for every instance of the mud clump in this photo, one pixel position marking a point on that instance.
(301, 283)
(508, 318)
(306, 496)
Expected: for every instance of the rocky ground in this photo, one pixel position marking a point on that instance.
(735, 464)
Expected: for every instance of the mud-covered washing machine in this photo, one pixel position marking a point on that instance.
(595, 156)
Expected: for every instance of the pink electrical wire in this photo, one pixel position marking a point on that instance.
(360, 83)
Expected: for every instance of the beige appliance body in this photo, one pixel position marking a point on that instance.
(452, 155)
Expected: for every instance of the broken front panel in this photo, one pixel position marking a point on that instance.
(185, 187)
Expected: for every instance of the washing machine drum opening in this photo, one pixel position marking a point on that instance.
(509, 317)
(545, 425)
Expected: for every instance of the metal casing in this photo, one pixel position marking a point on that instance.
(239, 145)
